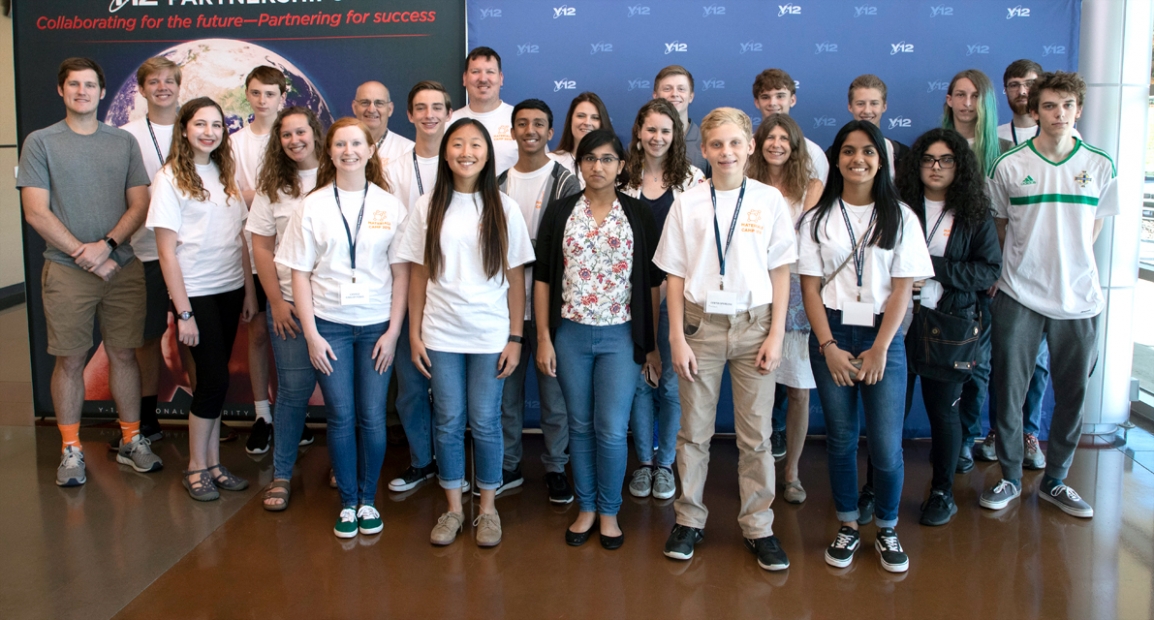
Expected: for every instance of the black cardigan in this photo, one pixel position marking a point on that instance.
(971, 265)
(549, 267)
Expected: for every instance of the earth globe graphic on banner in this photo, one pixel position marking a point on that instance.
(216, 68)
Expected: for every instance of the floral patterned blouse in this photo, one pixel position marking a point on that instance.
(598, 261)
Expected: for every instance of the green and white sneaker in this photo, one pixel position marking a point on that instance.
(346, 526)
(369, 520)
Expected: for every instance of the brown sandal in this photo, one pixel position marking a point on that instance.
(278, 489)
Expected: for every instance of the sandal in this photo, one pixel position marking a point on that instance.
(226, 480)
(278, 490)
(202, 489)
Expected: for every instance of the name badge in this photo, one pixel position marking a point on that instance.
(858, 313)
(354, 293)
(721, 302)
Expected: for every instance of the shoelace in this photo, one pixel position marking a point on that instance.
(1061, 488)
(367, 512)
(444, 518)
(684, 533)
(484, 521)
(843, 541)
(1001, 487)
(889, 542)
(1032, 443)
(73, 458)
(348, 515)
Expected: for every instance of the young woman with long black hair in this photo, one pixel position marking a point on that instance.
(869, 246)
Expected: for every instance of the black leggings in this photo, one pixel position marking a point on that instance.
(941, 399)
(217, 318)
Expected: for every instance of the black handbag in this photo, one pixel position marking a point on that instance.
(942, 346)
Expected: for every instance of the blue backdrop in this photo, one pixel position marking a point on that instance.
(554, 51)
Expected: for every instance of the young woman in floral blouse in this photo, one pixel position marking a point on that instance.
(596, 298)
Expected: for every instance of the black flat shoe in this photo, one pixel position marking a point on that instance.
(612, 542)
(576, 539)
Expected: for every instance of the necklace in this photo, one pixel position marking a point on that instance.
(656, 178)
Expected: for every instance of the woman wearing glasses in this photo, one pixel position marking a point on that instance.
(596, 297)
(942, 183)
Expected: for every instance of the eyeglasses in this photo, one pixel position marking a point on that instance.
(946, 162)
(606, 161)
(378, 103)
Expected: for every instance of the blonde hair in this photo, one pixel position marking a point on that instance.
(156, 64)
(721, 116)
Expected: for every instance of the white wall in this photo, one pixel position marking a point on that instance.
(11, 245)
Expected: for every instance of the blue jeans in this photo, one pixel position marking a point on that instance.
(884, 404)
(598, 378)
(295, 381)
(667, 402)
(355, 406)
(554, 418)
(466, 388)
(413, 403)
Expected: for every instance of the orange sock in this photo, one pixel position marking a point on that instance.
(128, 431)
(70, 433)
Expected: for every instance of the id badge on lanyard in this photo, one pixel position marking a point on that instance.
(354, 293)
(722, 301)
(858, 312)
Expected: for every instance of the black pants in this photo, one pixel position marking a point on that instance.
(941, 399)
(217, 318)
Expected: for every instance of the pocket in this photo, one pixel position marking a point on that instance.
(692, 323)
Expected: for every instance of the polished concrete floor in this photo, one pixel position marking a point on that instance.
(128, 545)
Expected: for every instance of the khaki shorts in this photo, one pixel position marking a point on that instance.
(73, 297)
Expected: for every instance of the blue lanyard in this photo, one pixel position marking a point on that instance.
(1014, 131)
(417, 174)
(732, 226)
(155, 143)
(858, 251)
(349, 233)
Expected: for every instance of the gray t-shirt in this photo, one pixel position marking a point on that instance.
(693, 149)
(86, 177)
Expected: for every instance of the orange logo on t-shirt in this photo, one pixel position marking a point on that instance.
(752, 223)
(503, 133)
(380, 220)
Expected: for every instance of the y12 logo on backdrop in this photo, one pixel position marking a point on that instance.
(977, 49)
(941, 11)
(1017, 11)
(564, 11)
(1053, 49)
(528, 48)
(823, 121)
(826, 47)
(751, 46)
(938, 85)
(485, 13)
(901, 48)
(900, 121)
(638, 10)
(713, 84)
(560, 85)
(640, 85)
(676, 46)
(713, 9)
(788, 9)
(600, 47)
(865, 10)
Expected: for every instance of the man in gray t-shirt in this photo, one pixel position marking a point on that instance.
(85, 191)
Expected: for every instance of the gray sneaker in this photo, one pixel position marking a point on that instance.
(642, 483)
(138, 455)
(1068, 500)
(986, 452)
(1035, 458)
(71, 470)
(1000, 495)
(664, 486)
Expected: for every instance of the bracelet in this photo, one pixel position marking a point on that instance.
(821, 349)
(517, 339)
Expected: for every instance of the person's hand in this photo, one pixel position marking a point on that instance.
(653, 363)
(283, 314)
(840, 368)
(107, 270)
(873, 366)
(510, 357)
(918, 284)
(187, 332)
(320, 353)
(993, 290)
(684, 361)
(546, 357)
(248, 311)
(90, 256)
(769, 355)
(420, 357)
(384, 351)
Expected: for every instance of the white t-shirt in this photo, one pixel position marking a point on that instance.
(392, 147)
(499, 122)
(932, 289)
(1048, 260)
(819, 161)
(527, 190)
(909, 257)
(143, 240)
(316, 241)
(764, 239)
(1023, 133)
(247, 154)
(271, 218)
(207, 247)
(403, 181)
(465, 311)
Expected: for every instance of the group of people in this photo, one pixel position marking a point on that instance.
(630, 275)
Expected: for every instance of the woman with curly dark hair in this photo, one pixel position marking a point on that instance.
(943, 183)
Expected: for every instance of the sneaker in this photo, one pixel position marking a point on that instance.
(664, 487)
(71, 470)
(965, 462)
(987, 451)
(488, 530)
(1065, 498)
(770, 555)
(840, 553)
(559, 490)
(307, 437)
(793, 492)
(893, 557)
(447, 528)
(681, 541)
(259, 438)
(642, 483)
(138, 455)
(509, 480)
(865, 505)
(777, 445)
(346, 526)
(412, 477)
(1035, 458)
(938, 509)
(369, 520)
(150, 433)
(1000, 495)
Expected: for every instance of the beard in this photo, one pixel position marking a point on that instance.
(1018, 106)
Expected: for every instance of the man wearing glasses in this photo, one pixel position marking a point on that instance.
(373, 107)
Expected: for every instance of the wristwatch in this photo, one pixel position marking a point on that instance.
(517, 339)
(111, 242)
(184, 316)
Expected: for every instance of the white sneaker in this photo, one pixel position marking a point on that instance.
(71, 470)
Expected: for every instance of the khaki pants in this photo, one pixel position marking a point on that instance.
(716, 340)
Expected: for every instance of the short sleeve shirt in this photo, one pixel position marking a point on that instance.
(270, 219)
(499, 122)
(154, 147)
(597, 262)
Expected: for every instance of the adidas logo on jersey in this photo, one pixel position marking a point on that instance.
(1029, 180)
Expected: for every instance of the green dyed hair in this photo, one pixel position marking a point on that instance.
(986, 146)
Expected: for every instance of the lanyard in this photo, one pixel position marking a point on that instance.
(1014, 131)
(154, 142)
(732, 226)
(936, 224)
(858, 251)
(417, 175)
(349, 233)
